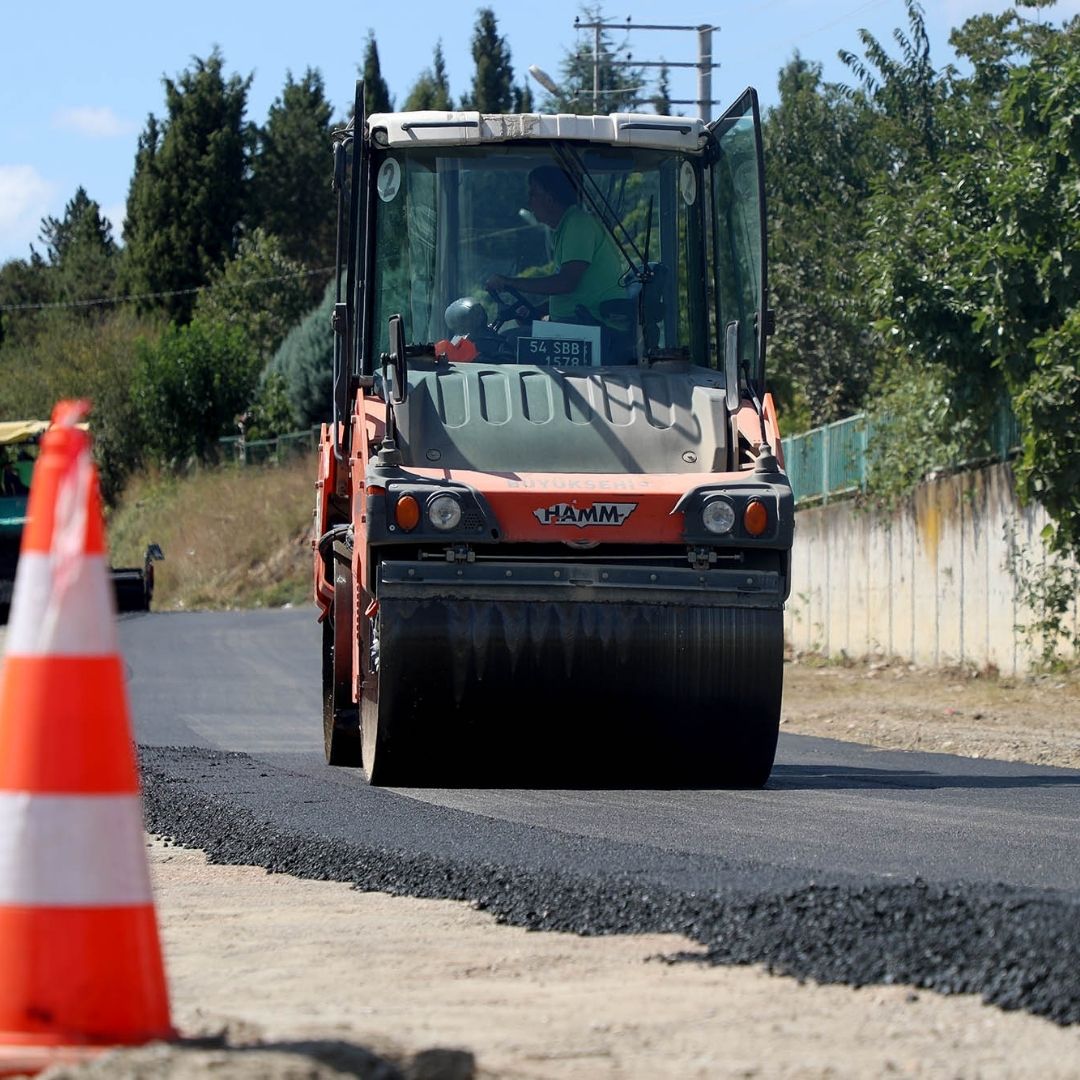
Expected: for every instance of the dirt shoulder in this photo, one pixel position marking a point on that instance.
(1035, 719)
(287, 978)
(311, 979)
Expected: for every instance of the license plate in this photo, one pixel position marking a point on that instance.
(565, 352)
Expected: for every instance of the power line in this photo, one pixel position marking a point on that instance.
(825, 26)
(704, 63)
(102, 301)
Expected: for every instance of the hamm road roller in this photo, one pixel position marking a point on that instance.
(553, 521)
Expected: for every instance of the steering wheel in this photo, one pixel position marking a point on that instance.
(511, 311)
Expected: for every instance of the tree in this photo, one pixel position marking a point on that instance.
(189, 194)
(828, 148)
(66, 357)
(305, 363)
(80, 264)
(992, 43)
(661, 100)
(493, 81)
(270, 413)
(523, 99)
(81, 252)
(976, 266)
(82, 216)
(190, 387)
(291, 172)
(377, 97)
(261, 291)
(619, 85)
(820, 163)
(432, 88)
(906, 91)
(24, 284)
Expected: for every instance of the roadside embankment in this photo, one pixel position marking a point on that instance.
(233, 536)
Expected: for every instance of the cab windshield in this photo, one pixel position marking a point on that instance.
(469, 240)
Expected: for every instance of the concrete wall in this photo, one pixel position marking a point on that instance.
(928, 584)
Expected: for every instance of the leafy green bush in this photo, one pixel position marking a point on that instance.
(259, 290)
(1048, 408)
(916, 431)
(69, 356)
(271, 412)
(192, 388)
(305, 362)
(974, 264)
(1047, 588)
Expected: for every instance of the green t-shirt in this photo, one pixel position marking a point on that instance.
(579, 237)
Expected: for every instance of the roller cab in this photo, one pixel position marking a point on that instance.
(554, 529)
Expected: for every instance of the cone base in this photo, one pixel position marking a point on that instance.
(24, 1060)
(81, 977)
(22, 1055)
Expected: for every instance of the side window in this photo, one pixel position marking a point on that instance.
(405, 234)
(738, 214)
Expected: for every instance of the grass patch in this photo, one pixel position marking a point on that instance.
(233, 536)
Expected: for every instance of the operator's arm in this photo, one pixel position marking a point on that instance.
(565, 281)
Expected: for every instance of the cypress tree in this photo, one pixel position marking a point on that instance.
(305, 363)
(431, 89)
(291, 174)
(523, 99)
(439, 79)
(377, 97)
(619, 86)
(81, 252)
(189, 194)
(493, 81)
(661, 100)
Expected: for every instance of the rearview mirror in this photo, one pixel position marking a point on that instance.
(731, 367)
(398, 360)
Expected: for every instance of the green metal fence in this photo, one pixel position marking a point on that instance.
(265, 451)
(831, 461)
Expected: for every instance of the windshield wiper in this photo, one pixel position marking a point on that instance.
(603, 209)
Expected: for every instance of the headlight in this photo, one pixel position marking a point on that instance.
(444, 512)
(718, 516)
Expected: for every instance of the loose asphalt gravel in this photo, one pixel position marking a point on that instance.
(1017, 948)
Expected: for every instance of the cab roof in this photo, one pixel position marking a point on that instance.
(648, 130)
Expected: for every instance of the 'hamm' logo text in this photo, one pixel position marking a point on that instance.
(603, 513)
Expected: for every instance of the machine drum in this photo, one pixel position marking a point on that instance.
(557, 691)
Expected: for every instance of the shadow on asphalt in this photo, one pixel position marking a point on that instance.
(840, 777)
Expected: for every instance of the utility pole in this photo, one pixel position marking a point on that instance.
(704, 75)
(596, 68)
(704, 63)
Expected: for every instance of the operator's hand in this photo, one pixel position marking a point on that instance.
(497, 282)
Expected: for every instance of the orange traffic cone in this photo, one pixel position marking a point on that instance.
(80, 960)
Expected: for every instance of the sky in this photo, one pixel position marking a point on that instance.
(78, 83)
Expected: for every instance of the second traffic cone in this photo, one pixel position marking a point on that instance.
(80, 959)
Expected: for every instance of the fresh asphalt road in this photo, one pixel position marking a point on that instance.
(249, 682)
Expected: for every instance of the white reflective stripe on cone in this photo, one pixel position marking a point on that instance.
(80, 621)
(72, 850)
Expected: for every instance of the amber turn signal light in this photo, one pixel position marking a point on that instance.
(407, 513)
(755, 518)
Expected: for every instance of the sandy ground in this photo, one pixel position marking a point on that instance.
(287, 978)
(954, 712)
